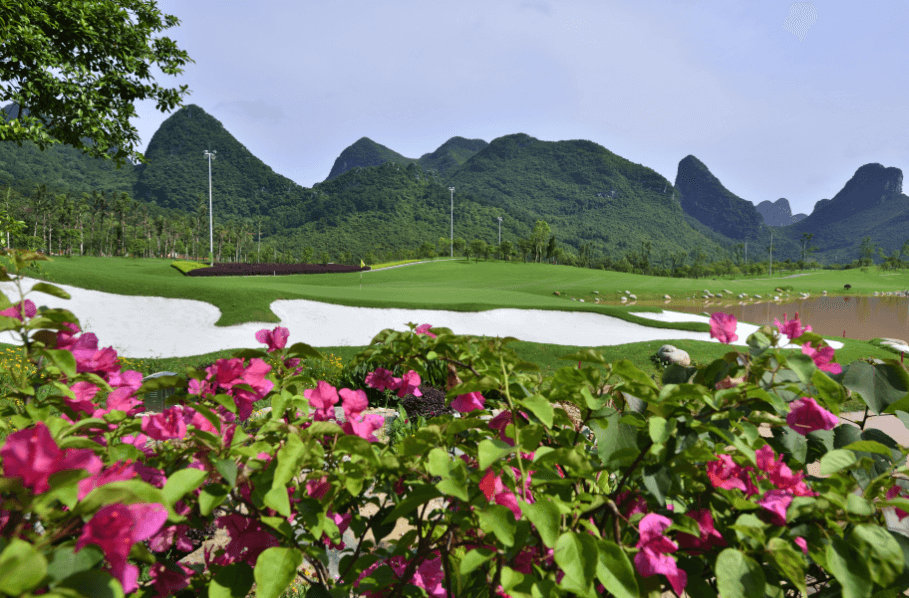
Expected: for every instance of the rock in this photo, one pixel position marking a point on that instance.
(624, 299)
(573, 299)
(706, 292)
(757, 296)
(728, 292)
(705, 296)
(582, 301)
(875, 293)
(632, 297)
(776, 298)
(824, 293)
(778, 290)
(674, 355)
(627, 292)
(556, 293)
(719, 295)
(596, 292)
(429, 405)
(666, 297)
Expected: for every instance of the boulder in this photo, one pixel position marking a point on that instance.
(596, 292)
(582, 301)
(632, 296)
(624, 299)
(666, 297)
(673, 355)
(727, 291)
(627, 292)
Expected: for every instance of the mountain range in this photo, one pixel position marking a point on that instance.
(375, 196)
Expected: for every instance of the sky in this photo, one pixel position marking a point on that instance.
(777, 99)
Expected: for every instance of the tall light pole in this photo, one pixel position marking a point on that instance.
(771, 254)
(211, 236)
(452, 220)
(500, 230)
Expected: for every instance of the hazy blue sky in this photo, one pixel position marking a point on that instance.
(777, 99)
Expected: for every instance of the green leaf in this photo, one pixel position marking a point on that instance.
(657, 482)
(228, 470)
(879, 385)
(613, 436)
(738, 576)
(789, 562)
(22, 567)
(869, 446)
(490, 451)
(49, 289)
(454, 487)
(474, 559)
(837, 460)
(540, 407)
(577, 555)
(858, 505)
(289, 458)
(65, 561)
(211, 498)
(275, 569)
(802, 365)
(180, 482)
(851, 572)
(127, 492)
(626, 370)
(355, 446)
(880, 551)
(232, 581)
(498, 520)
(277, 499)
(615, 571)
(418, 496)
(547, 518)
(97, 584)
(660, 429)
(438, 462)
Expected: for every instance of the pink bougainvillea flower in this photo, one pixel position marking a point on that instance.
(722, 327)
(254, 377)
(630, 503)
(275, 339)
(22, 309)
(34, 456)
(323, 399)
(174, 535)
(129, 379)
(248, 539)
(364, 426)
(495, 490)
(354, 402)
(318, 488)
(342, 521)
(779, 473)
(429, 576)
(791, 328)
(381, 379)
(115, 528)
(118, 472)
(802, 544)
(653, 557)
(165, 425)
(822, 358)
(709, 537)
(470, 402)
(167, 581)
(805, 416)
(85, 393)
(727, 474)
(424, 329)
(776, 502)
(893, 493)
(409, 384)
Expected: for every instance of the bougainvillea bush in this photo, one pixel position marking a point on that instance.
(690, 496)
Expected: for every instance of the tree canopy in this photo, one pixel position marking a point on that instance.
(75, 69)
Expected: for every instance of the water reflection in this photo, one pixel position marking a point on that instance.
(860, 318)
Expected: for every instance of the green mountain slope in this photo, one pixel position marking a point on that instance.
(451, 154)
(176, 175)
(870, 204)
(585, 192)
(365, 153)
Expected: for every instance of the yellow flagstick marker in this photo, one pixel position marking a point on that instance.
(362, 265)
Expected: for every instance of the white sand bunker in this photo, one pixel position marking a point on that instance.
(144, 327)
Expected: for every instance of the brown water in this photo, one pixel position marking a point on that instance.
(861, 318)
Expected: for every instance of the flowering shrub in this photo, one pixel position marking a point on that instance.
(690, 497)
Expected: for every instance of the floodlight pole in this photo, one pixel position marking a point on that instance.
(771, 254)
(500, 229)
(452, 220)
(211, 236)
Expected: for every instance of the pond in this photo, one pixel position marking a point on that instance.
(861, 318)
